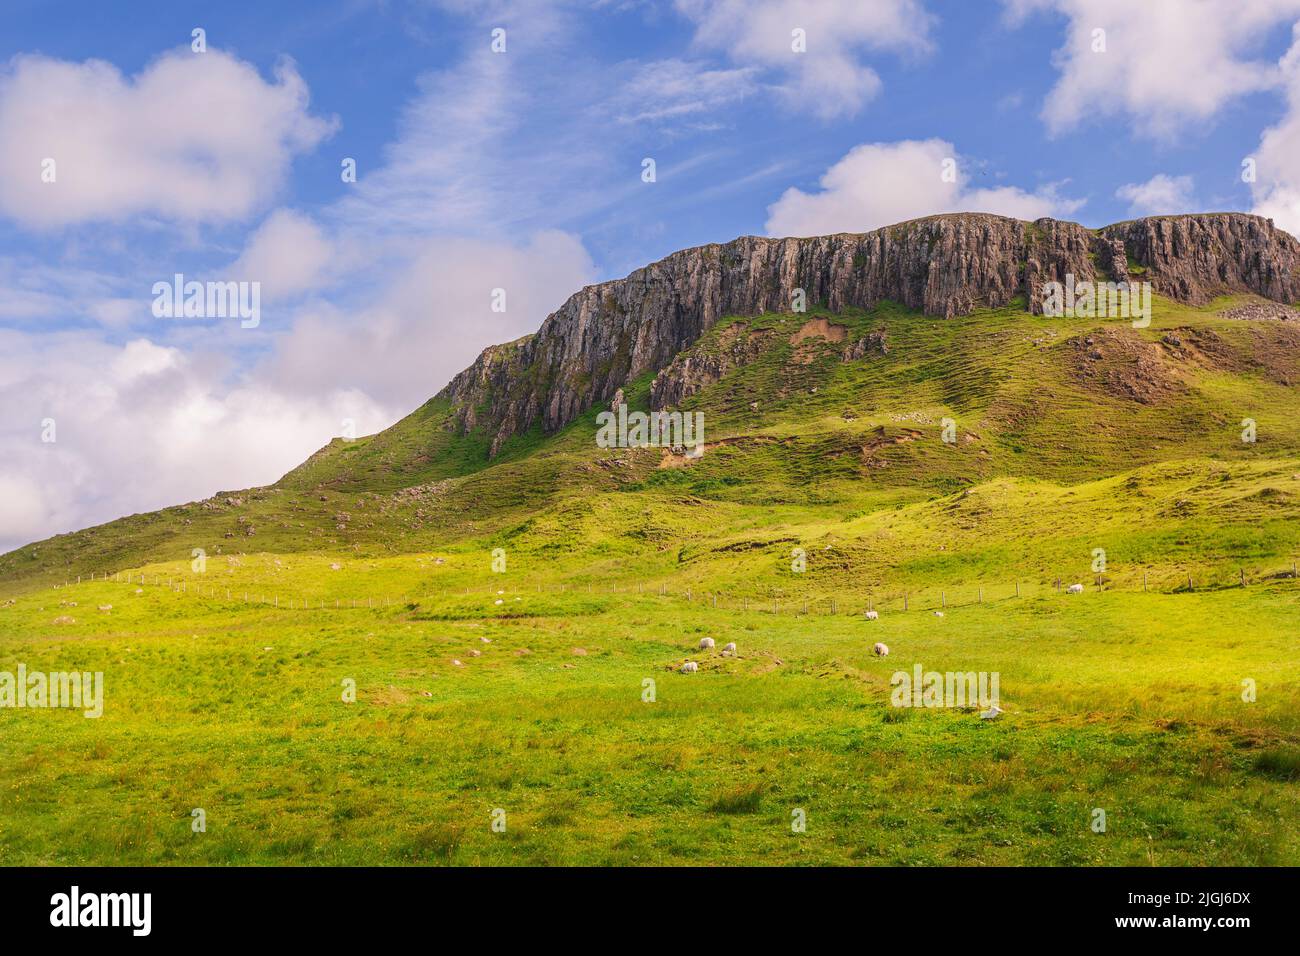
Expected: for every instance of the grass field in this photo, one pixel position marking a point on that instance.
(373, 563)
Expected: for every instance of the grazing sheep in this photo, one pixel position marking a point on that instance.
(706, 643)
(938, 613)
(729, 648)
(106, 607)
(499, 601)
(1074, 589)
(871, 616)
(882, 650)
(690, 667)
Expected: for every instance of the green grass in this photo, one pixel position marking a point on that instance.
(1123, 701)
(1128, 699)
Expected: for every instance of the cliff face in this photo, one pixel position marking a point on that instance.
(608, 334)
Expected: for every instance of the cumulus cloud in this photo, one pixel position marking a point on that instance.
(1276, 189)
(830, 79)
(431, 319)
(878, 184)
(1166, 63)
(140, 426)
(288, 254)
(1158, 196)
(194, 137)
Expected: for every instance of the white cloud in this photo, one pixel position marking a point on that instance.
(431, 319)
(674, 90)
(1276, 190)
(878, 184)
(288, 254)
(142, 426)
(1158, 196)
(194, 137)
(830, 80)
(1166, 63)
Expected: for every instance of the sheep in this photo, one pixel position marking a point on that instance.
(871, 616)
(690, 667)
(729, 647)
(938, 613)
(106, 607)
(706, 643)
(882, 650)
(1074, 589)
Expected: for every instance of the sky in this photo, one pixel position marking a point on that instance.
(506, 153)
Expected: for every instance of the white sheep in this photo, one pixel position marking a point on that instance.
(690, 667)
(882, 650)
(729, 648)
(706, 643)
(1074, 589)
(938, 613)
(872, 616)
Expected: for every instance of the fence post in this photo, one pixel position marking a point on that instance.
(904, 600)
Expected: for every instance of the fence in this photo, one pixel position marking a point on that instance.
(773, 600)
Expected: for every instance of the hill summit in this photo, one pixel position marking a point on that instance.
(610, 333)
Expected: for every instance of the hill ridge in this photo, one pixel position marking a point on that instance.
(607, 334)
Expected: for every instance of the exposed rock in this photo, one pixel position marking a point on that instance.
(1258, 311)
(873, 343)
(695, 369)
(608, 334)
(1194, 258)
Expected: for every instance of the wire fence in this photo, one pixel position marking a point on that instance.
(811, 600)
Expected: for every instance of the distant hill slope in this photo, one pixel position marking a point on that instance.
(825, 414)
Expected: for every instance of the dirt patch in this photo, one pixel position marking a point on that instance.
(820, 328)
(880, 440)
(812, 335)
(1122, 363)
(1273, 351)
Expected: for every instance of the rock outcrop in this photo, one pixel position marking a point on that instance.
(608, 334)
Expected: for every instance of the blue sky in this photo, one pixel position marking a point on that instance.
(522, 170)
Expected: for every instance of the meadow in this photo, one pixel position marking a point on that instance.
(1128, 702)
(499, 620)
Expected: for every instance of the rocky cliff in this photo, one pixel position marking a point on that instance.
(948, 265)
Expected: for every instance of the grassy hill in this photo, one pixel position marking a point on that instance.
(523, 690)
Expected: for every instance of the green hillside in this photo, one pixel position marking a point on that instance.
(522, 689)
